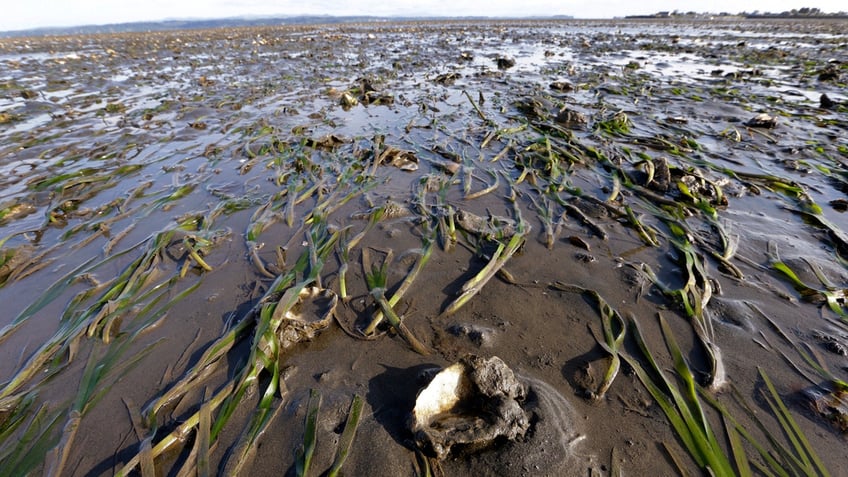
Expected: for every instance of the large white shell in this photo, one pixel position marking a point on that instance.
(470, 403)
(447, 389)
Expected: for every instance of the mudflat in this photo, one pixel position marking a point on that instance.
(223, 251)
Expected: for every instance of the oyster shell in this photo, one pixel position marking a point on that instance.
(469, 404)
(311, 313)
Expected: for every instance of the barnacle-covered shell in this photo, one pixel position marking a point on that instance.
(469, 404)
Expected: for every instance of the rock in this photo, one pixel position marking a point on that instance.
(494, 227)
(762, 120)
(469, 404)
(505, 62)
(825, 102)
(571, 118)
(590, 207)
(447, 79)
(479, 335)
(662, 176)
(831, 73)
(839, 205)
(832, 340)
(830, 400)
(563, 86)
(536, 107)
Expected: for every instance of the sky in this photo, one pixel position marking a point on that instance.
(24, 14)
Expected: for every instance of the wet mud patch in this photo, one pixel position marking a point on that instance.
(635, 216)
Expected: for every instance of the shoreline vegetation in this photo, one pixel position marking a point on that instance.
(794, 14)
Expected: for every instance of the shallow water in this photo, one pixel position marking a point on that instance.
(109, 143)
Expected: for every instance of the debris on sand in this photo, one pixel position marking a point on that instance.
(825, 102)
(563, 86)
(762, 120)
(492, 228)
(831, 402)
(447, 79)
(571, 118)
(363, 91)
(328, 142)
(469, 404)
(400, 158)
(311, 314)
(505, 63)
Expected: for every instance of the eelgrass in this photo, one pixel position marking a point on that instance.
(686, 413)
(376, 278)
(310, 435)
(265, 355)
(348, 435)
(402, 289)
(647, 234)
(613, 329)
(100, 371)
(499, 258)
(546, 214)
(618, 124)
(135, 288)
(542, 158)
(693, 297)
(611, 343)
(834, 296)
(486, 190)
(682, 407)
(33, 442)
(99, 318)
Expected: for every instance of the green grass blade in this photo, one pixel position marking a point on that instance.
(203, 437)
(310, 434)
(52, 292)
(802, 445)
(773, 465)
(611, 343)
(739, 455)
(673, 413)
(499, 259)
(348, 435)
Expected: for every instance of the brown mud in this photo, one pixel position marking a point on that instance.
(185, 171)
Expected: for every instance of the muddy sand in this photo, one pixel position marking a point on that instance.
(616, 210)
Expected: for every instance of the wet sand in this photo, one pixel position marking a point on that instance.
(627, 152)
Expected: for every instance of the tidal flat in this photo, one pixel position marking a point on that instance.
(245, 251)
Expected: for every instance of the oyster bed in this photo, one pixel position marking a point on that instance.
(624, 213)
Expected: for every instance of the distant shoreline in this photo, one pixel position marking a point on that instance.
(736, 17)
(176, 25)
(199, 24)
(797, 17)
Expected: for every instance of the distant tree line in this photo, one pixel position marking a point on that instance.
(806, 12)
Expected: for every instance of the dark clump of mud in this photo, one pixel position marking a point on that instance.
(218, 248)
